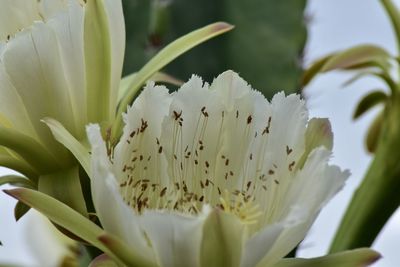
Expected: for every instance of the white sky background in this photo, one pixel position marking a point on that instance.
(335, 24)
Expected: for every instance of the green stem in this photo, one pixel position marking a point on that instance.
(378, 196)
(394, 16)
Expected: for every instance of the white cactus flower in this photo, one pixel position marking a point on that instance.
(50, 66)
(213, 175)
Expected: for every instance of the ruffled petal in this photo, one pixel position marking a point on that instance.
(34, 67)
(311, 189)
(143, 125)
(115, 216)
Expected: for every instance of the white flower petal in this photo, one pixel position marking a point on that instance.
(260, 244)
(116, 25)
(12, 107)
(316, 183)
(312, 187)
(222, 146)
(16, 15)
(174, 237)
(32, 62)
(116, 217)
(68, 27)
(151, 106)
(190, 133)
(245, 117)
(288, 126)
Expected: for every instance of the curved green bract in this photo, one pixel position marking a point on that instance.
(369, 101)
(80, 152)
(64, 216)
(29, 149)
(165, 56)
(353, 258)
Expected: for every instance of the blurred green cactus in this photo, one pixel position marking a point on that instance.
(265, 47)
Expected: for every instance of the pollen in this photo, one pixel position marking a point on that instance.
(246, 209)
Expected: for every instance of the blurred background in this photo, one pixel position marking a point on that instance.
(268, 47)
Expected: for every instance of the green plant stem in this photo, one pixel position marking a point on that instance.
(378, 196)
(394, 16)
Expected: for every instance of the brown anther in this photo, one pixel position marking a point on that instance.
(291, 165)
(177, 115)
(163, 191)
(249, 119)
(288, 150)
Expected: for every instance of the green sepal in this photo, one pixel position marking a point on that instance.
(68, 261)
(65, 186)
(374, 130)
(220, 247)
(314, 69)
(97, 48)
(373, 73)
(394, 16)
(80, 152)
(34, 153)
(19, 166)
(17, 180)
(20, 210)
(353, 258)
(318, 133)
(62, 215)
(367, 102)
(165, 56)
(74, 222)
(360, 56)
(103, 261)
(123, 252)
(157, 77)
(357, 57)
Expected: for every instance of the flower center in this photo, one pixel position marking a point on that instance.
(191, 167)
